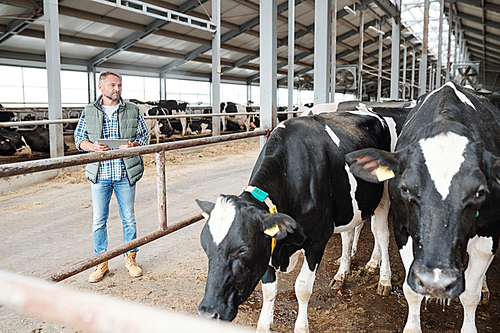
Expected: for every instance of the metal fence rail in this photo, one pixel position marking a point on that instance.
(98, 313)
(19, 168)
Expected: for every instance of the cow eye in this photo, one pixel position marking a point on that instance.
(481, 192)
(405, 190)
(241, 252)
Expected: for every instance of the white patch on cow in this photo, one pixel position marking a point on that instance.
(406, 253)
(281, 125)
(327, 107)
(436, 272)
(443, 156)
(363, 111)
(460, 95)
(332, 135)
(221, 219)
(356, 220)
(392, 129)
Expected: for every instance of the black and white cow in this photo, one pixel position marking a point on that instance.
(394, 113)
(444, 194)
(243, 121)
(301, 172)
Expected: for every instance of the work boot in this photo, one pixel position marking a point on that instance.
(99, 272)
(131, 264)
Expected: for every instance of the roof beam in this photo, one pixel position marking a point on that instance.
(477, 19)
(138, 35)
(479, 3)
(387, 7)
(16, 26)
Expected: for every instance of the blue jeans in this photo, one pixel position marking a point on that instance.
(101, 196)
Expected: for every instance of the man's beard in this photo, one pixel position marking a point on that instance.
(114, 99)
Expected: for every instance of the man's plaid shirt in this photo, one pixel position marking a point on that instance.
(111, 169)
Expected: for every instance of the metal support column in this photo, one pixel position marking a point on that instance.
(422, 86)
(216, 68)
(268, 64)
(440, 45)
(163, 85)
(92, 84)
(322, 21)
(404, 70)
(413, 75)
(380, 49)
(396, 32)
(334, 51)
(53, 65)
(291, 53)
(360, 62)
(450, 23)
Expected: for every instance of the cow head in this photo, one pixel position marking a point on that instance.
(237, 241)
(439, 187)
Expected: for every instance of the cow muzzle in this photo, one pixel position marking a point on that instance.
(436, 282)
(208, 312)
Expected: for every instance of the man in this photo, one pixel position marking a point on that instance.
(112, 118)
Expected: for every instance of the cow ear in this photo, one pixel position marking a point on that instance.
(278, 225)
(372, 165)
(206, 207)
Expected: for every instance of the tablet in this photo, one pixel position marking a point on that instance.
(112, 143)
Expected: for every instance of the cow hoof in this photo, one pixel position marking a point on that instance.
(485, 297)
(336, 284)
(384, 290)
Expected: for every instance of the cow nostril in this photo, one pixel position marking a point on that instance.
(208, 313)
(428, 283)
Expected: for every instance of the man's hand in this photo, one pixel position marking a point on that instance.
(100, 147)
(130, 145)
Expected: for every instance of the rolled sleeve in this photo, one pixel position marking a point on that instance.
(142, 135)
(81, 132)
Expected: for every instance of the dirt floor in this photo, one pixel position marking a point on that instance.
(175, 269)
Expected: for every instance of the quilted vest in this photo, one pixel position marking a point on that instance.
(127, 128)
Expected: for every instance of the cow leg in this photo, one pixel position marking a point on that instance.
(380, 230)
(303, 290)
(480, 257)
(269, 292)
(345, 260)
(183, 123)
(357, 233)
(414, 300)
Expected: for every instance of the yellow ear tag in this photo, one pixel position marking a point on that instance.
(272, 231)
(384, 173)
(273, 210)
(205, 215)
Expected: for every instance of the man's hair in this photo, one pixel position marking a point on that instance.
(105, 74)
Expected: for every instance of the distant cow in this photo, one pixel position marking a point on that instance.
(12, 143)
(243, 121)
(6, 116)
(38, 139)
(444, 189)
(299, 193)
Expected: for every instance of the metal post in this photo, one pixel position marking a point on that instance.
(161, 186)
(268, 64)
(396, 31)
(450, 22)
(216, 68)
(379, 90)
(440, 45)
(423, 64)
(404, 70)
(53, 65)
(455, 55)
(291, 53)
(360, 63)
(163, 86)
(413, 75)
(322, 21)
(334, 51)
(92, 86)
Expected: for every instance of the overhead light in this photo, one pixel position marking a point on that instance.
(350, 10)
(376, 30)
